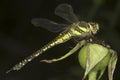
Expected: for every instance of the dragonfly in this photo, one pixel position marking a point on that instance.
(76, 29)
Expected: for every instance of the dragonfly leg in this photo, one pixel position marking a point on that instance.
(81, 43)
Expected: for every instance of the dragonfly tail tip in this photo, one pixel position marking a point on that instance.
(8, 71)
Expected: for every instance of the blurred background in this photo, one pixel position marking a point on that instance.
(19, 38)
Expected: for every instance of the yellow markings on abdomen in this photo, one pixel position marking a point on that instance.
(62, 38)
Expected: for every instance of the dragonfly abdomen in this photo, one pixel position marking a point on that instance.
(63, 37)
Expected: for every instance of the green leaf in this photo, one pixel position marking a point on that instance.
(112, 64)
(80, 44)
(90, 57)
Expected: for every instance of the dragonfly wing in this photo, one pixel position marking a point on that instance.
(47, 24)
(66, 12)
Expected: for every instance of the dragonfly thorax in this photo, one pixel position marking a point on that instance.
(80, 29)
(84, 29)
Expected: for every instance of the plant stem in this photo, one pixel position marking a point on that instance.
(92, 75)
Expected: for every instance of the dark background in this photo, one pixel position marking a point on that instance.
(19, 38)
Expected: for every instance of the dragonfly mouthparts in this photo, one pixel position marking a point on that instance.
(94, 27)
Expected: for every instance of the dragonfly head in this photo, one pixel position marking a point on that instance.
(94, 27)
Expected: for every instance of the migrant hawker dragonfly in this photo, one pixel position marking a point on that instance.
(76, 29)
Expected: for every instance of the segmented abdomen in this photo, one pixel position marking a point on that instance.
(63, 37)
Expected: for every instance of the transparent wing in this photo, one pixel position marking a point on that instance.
(66, 12)
(47, 24)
